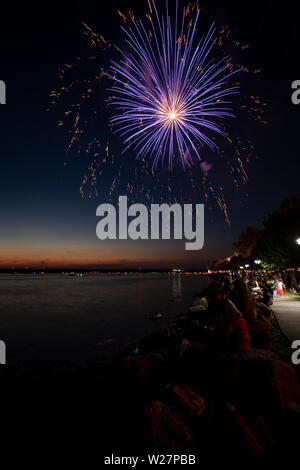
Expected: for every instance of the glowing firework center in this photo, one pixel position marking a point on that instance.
(173, 116)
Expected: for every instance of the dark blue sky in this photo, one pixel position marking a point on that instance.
(43, 218)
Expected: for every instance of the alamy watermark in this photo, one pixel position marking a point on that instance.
(163, 222)
(2, 92)
(296, 94)
(2, 352)
(296, 354)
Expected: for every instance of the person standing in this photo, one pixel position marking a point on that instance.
(279, 287)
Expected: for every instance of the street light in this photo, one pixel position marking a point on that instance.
(258, 261)
(298, 241)
(247, 265)
(241, 267)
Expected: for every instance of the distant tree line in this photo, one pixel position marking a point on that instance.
(274, 244)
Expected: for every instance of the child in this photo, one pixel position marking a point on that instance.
(279, 287)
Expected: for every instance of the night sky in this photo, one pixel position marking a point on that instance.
(44, 221)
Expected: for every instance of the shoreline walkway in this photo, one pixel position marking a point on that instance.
(287, 312)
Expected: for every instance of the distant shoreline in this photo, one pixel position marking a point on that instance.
(201, 271)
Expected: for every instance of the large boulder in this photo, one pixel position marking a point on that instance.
(188, 399)
(261, 429)
(237, 433)
(260, 333)
(167, 428)
(267, 383)
(239, 429)
(139, 368)
(162, 340)
(134, 367)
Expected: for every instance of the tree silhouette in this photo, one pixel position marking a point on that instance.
(277, 247)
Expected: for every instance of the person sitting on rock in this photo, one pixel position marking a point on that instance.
(235, 328)
(227, 288)
(263, 306)
(243, 300)
(260, 329)
(267, 298)
(228, 330)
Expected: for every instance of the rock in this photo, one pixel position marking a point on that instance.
(260, 333)
(103, 343)
(155, 360)
(138, 369)
(268, 382)
(134, 367)
(156, 316)
(162, 339)
(292, 424)
(294, 410)
(197, 309)
(168, 429)
(263, 310)
(198, 304)
(286, 383)
(239, 431)
(190, 401)
(232, 432)
(260, 354)
(261, 430)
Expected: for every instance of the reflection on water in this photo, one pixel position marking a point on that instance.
(177, 291)
(54, 317)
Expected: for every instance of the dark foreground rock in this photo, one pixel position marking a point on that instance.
(204, 401)
(188, 399)
(168, 429)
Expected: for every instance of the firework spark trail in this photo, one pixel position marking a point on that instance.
(84, 115)
(167, 93)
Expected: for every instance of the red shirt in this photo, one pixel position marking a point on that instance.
(240, 333)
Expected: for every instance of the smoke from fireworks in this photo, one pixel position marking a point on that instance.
(168, 93)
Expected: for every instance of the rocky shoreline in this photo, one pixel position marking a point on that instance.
(204, 400)
(149, 398)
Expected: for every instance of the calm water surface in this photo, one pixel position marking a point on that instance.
(53, 318)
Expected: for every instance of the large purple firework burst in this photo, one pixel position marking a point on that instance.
(84, 114)
(169, 96)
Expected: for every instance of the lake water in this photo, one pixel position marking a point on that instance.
(53, 318)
